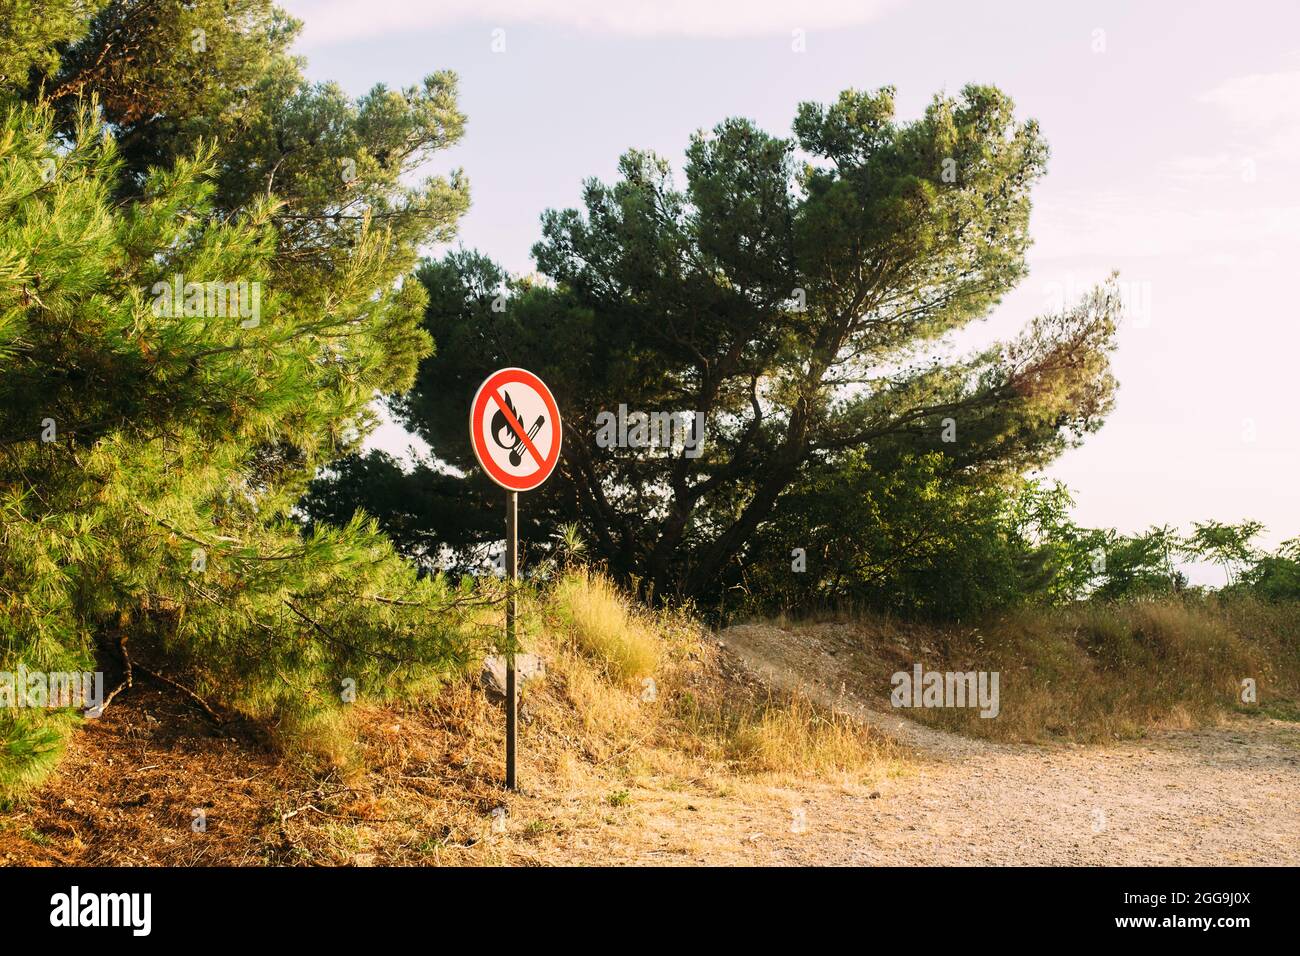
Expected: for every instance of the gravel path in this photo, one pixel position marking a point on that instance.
(1228, 795)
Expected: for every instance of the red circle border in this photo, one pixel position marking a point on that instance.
(478, 440)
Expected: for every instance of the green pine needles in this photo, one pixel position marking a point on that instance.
(194, 317)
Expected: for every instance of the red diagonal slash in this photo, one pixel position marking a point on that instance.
(518, 428)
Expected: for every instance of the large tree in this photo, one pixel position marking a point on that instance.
(152, 446)
(801, 294)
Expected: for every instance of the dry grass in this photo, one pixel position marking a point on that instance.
(607, 741)
(652, 693)
(799, 738)
(604, 626)
(1096, 672)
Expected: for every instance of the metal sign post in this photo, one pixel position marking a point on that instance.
(517, 457)
(512, 582)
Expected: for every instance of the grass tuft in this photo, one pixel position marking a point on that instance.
(603, 625)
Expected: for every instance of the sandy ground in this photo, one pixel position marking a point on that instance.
(1225, 796)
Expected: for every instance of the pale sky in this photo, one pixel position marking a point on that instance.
(1175, 136)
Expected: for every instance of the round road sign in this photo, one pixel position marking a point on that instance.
(514, 426)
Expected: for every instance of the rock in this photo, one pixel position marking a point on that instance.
(493, 675)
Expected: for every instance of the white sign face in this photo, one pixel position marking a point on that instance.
(515, 429)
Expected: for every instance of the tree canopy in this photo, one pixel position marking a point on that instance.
(799, 294)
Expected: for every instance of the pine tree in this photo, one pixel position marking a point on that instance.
(201, 291)
(802, 294)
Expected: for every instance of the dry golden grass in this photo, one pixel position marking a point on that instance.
(691, 707)
(1096, 672)
(798, 738)
(603, 625)
(604, 744)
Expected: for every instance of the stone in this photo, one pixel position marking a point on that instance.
(493, 676)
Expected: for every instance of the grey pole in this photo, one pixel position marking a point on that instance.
(512, 580)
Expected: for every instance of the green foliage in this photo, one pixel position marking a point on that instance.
(174, 79)
(1141, 565)
(913, 539)
(790, 292)
(151, 451)
(32, 33)
(1064, 559)
(1227, 545)
(923, 540)
(31, 743)
(1275, 577)
(417, 523)
(570, 547)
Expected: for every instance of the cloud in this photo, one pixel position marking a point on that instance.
(1259, 100)
(1262, 115)
(1227, 206)
(1106, 227)
(334, 21)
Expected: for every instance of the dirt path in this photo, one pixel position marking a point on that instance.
(1224, 796)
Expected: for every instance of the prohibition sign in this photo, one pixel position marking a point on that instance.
(514, 426)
